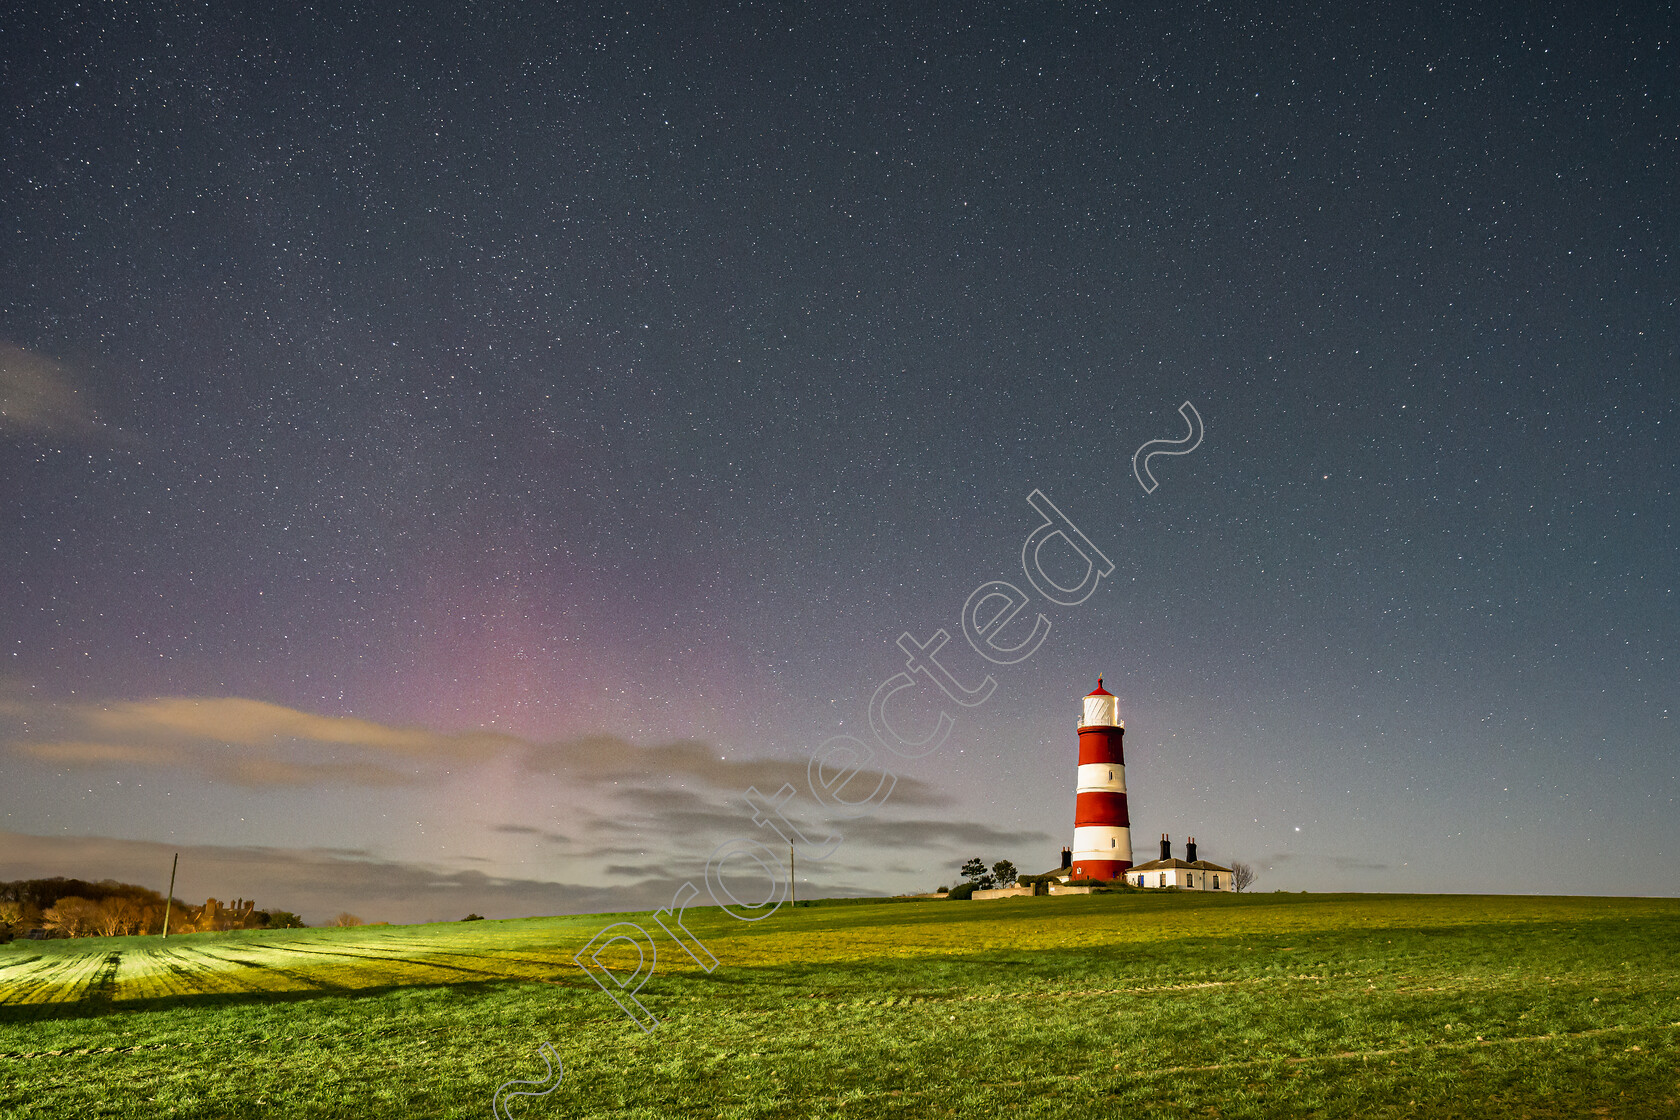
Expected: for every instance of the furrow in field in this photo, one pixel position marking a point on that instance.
(426, 961)
(158, 981)
(24, 979)
(230, 977)
(49, 980)
(345, 971)
(139, 976)
(1367, 1055)
(1132, 1070)
(406, 1031)
(539, 967)
(473, 949)
(64, 981)
(403, 952)
(267, 975)
(186, 969)
(19, 986)
(414, 970)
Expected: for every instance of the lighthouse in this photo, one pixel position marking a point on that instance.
(1102, 835)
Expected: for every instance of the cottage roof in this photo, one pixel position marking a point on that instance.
(1175, 864)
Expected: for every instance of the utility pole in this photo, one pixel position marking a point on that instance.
(792, 886)
(170, 901)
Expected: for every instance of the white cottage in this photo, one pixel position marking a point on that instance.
(1187, 874)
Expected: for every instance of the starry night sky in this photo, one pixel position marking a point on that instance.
(447, 455)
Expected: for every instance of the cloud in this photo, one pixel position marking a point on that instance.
(645, 816)
(74, 752)
(242, 722)
(674, 832)
(249, 743)
(14, 699)
(679, 788)
(527, 830)
(315, 882)
(260, 745)
(40, 396)
(608, 758)
(948, 834)
(682, 812)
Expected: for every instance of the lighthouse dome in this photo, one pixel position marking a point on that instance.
(1101, 709)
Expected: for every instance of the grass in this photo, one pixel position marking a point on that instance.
(1129, 1005)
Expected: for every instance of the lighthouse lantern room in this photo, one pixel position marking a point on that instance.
(1102, 836)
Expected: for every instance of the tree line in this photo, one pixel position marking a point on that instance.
(76, 908)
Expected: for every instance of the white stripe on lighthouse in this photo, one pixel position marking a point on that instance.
(1102, 841)
(1109, 776)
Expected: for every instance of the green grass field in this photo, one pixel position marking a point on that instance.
(1125, 1005)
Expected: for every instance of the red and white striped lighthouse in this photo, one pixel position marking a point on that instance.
(1102, 833)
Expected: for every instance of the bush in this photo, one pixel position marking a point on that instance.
(962, 893)
(473, 918)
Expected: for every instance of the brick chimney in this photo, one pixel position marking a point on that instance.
(1166, 847)
(1190, 850)
(1067, 857)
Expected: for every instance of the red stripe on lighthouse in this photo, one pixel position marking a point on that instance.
(1101, 744)
(1100, 807)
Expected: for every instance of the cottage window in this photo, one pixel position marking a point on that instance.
(1163, 878)
(1216, 882)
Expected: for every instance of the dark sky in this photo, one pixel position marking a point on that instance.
(431, 437)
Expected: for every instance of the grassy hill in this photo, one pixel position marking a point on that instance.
(1127, 1005)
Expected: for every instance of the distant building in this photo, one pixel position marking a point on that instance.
(1187, 874)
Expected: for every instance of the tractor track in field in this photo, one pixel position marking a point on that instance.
(308, 983)
(1366, 1055)
(67, 977)
(1345, 1055)
(123, 977)
(1075, 993)
(88, 1051)
(347, 954)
